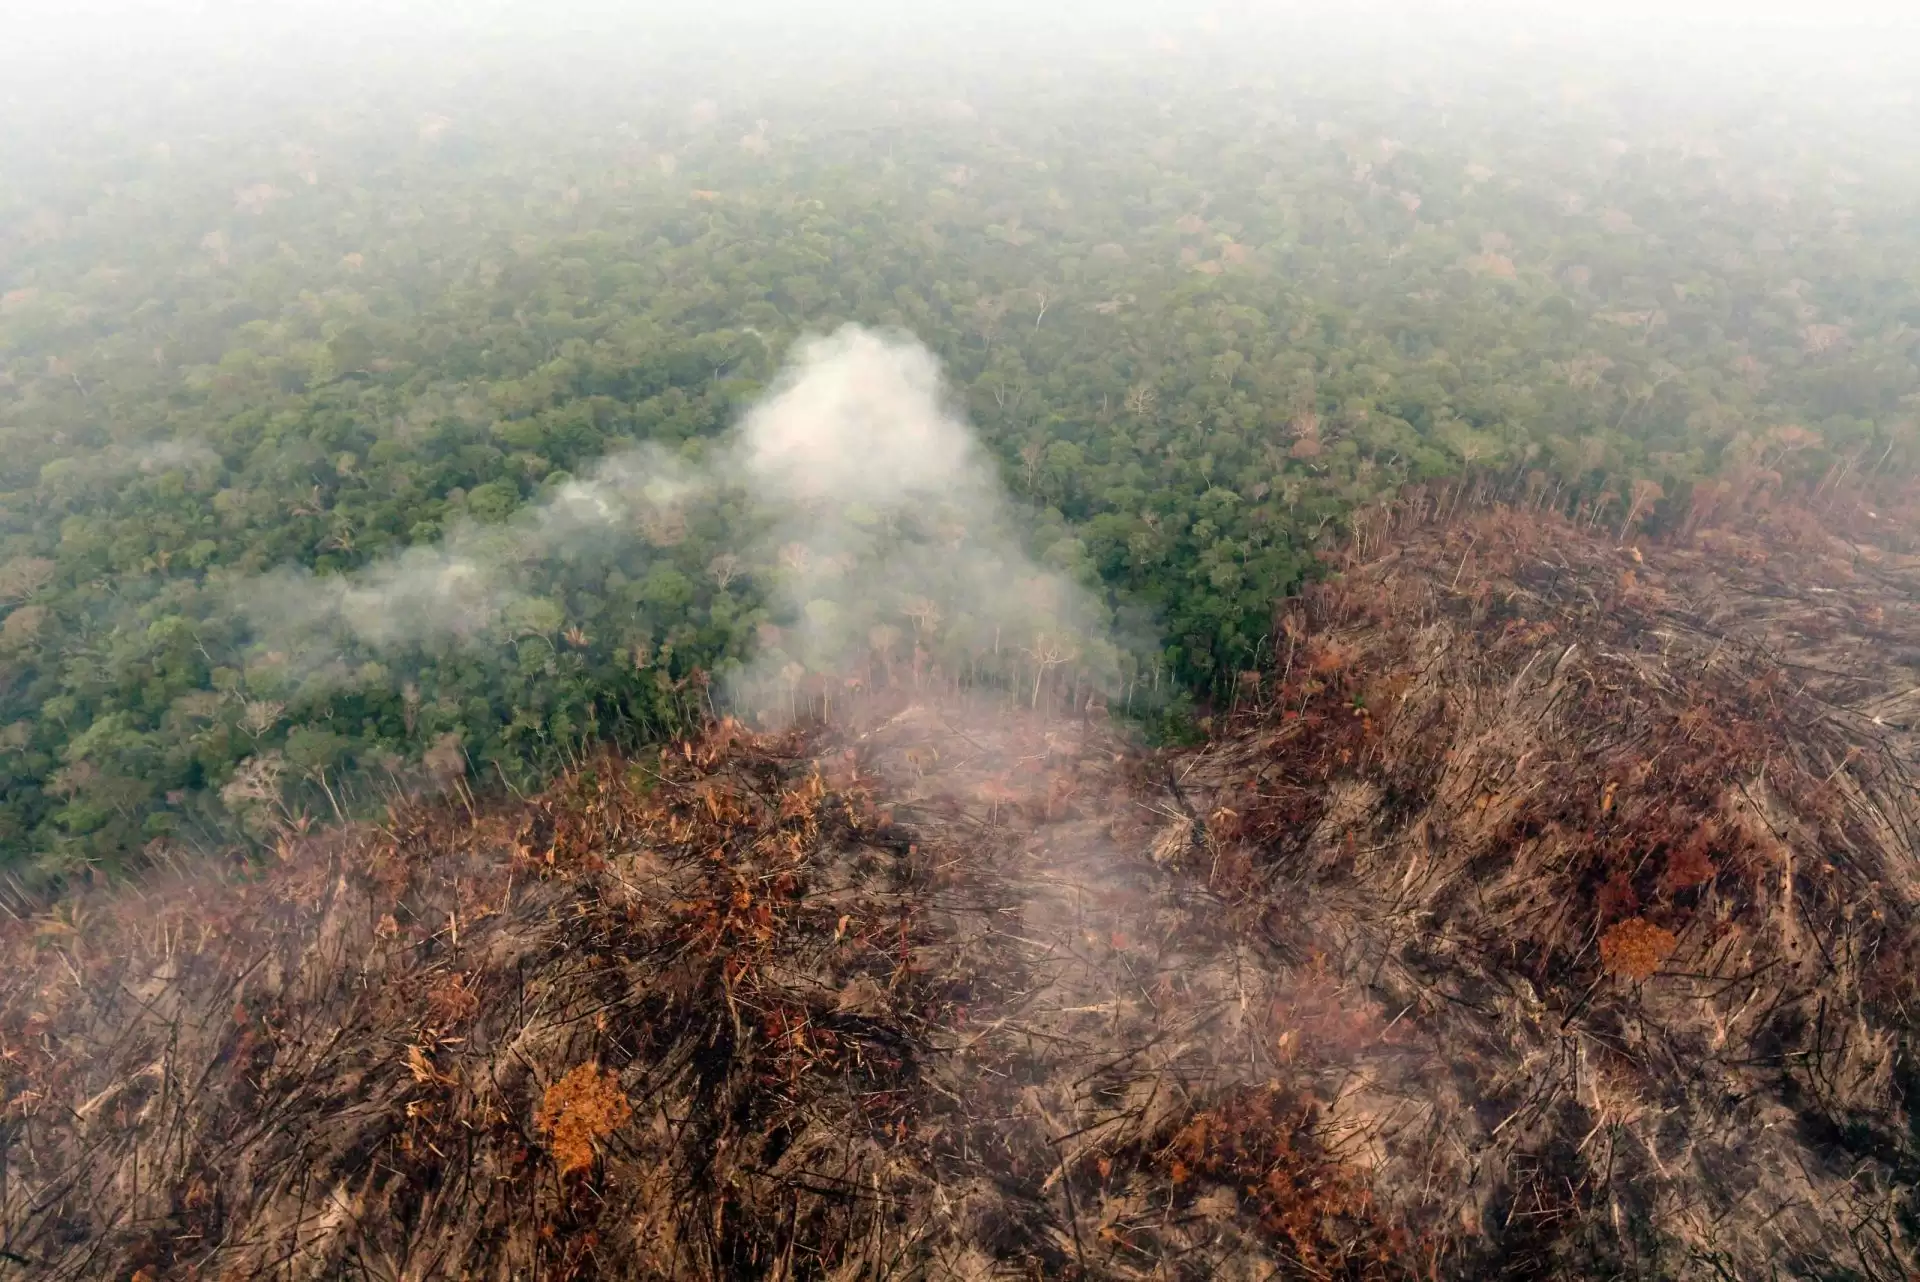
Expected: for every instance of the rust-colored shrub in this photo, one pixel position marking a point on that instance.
(579, 1110)
(1636, 948)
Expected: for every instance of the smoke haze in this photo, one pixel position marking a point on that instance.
(482, 584)
(871, 513)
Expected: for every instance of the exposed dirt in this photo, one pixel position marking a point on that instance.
(1547, 908)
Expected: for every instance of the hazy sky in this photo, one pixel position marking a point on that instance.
(62, 57)
(207, 30)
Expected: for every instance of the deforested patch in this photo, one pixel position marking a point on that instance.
(1622, 842)
(1520, 920)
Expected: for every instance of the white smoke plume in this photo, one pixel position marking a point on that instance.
(857, 497)
(891, 530)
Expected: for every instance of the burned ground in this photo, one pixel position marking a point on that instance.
(1620, 842)
(1546, 908)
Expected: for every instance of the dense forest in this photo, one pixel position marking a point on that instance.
(1198, 309)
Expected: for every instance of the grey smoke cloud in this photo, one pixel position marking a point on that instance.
(861, 500)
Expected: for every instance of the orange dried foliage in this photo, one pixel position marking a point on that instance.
(579, 1110)
(1261, 1143)
(1636, 948)
(451, 1002)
